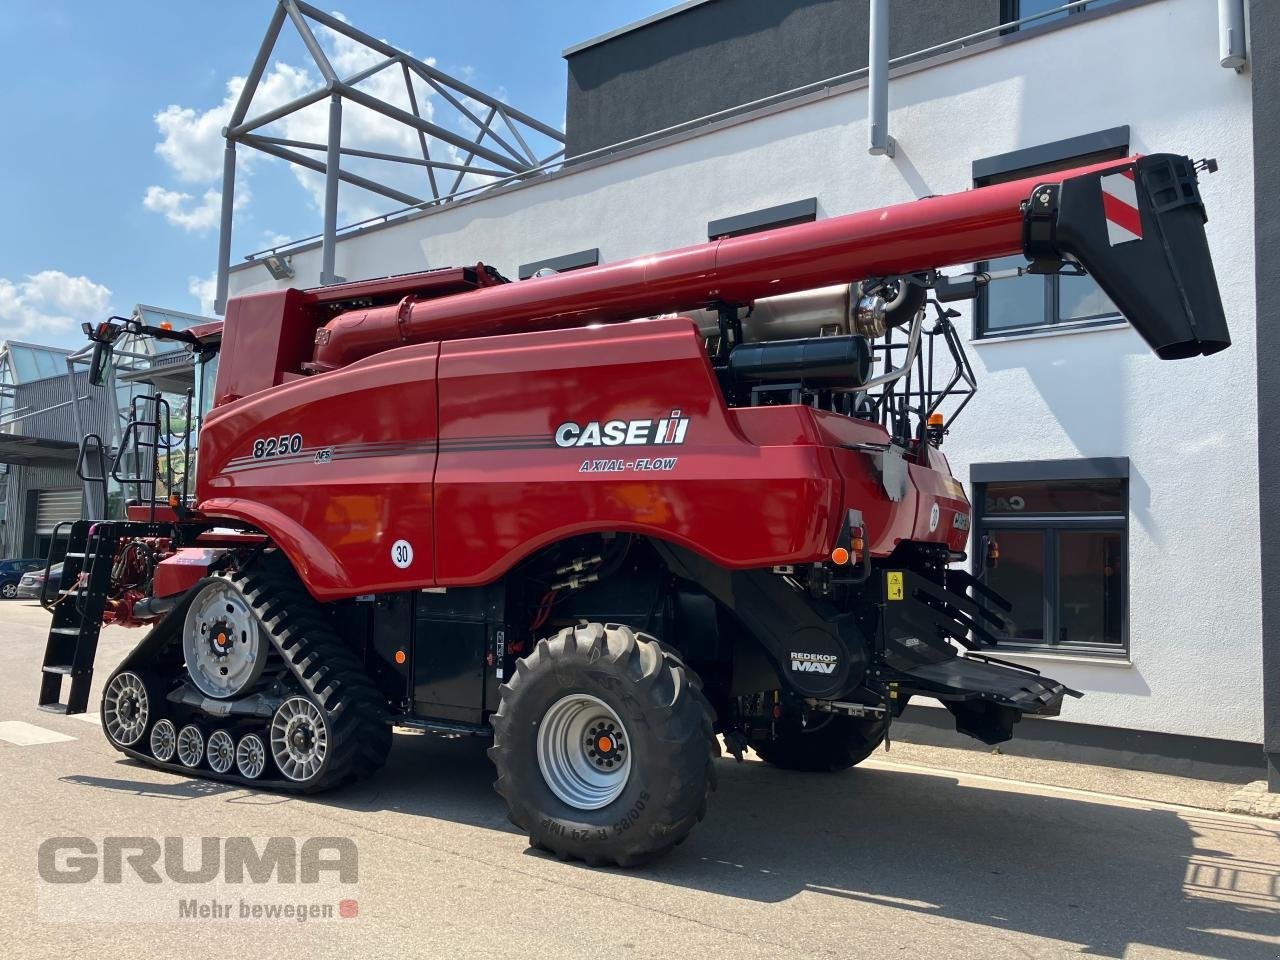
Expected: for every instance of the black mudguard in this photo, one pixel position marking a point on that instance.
(817, 650)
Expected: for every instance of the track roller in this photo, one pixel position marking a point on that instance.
(190, 746)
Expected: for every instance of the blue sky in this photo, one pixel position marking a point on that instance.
(112, 115)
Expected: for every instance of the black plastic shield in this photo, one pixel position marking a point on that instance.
(1152, 261)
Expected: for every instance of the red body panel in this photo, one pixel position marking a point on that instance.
(180, 571)
(333, 514)
(452, 448)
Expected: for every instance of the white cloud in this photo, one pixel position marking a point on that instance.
(191, 141)
(204, 289)
(182, 209)
(48, 303)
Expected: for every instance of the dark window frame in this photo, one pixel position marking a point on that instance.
(1010, 11)
(561, 264)
(1110, 144)
(768, 218)
(1052, 525)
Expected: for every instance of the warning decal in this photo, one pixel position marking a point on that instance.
(1120, 206)
(895, 585)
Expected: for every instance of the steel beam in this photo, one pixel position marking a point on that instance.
(346, 29)
(333, 169)
(224, 226)
(312, 44)
(259, 65)
(238, 131)
(302, 160)
(484, 128)
(422, 137)
(881, 144)
(434, 129)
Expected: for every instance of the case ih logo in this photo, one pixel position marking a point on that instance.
(624, 433)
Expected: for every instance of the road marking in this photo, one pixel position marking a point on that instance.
(94, 718)
(23, 734)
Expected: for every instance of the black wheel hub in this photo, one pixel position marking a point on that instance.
(220, 637)
(128, 709)
(303, 738)
(604, 744)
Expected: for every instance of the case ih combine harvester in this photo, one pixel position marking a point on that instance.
(600, 516)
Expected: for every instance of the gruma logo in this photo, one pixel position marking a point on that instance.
(814, 662)
(624, 433)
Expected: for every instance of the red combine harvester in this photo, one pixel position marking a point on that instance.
(601, 517)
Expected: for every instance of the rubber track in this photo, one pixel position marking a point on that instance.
(326, 669)
(681, 712)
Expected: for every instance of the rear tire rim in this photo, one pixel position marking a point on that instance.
(251, 756)
(126, 708)
(164, 741)
(299, 739)
(190, 745)
(584, 752)
(222, 641)
(10, 590)
(221, 751)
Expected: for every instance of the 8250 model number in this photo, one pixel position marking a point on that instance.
(277, 446)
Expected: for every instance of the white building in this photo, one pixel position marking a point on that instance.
(1150, 602)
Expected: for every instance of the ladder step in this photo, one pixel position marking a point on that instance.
(69, 554)
(55, 708)
(65, 669)
(66, 631)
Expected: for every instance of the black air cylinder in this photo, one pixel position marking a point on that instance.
(819, 363)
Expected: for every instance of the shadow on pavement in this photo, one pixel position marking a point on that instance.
(1100, 875)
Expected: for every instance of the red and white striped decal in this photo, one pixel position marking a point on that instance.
(1120, 206)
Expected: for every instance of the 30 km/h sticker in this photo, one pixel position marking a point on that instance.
(402, 554)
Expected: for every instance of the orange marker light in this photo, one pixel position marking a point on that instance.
(400, 658)
(840, 556)
(166, 325)
(935, 420)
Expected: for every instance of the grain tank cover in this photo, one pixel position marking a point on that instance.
(1139, 232)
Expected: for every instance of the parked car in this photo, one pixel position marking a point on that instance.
(29, 586)
(11, 572)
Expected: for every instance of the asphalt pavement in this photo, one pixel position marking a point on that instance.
(891, 859)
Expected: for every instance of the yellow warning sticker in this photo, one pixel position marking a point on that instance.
(895, 585)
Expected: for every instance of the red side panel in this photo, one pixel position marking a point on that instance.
(543, 436)
(265, 336)
(337, 469)
(180, 572)
(504, 487)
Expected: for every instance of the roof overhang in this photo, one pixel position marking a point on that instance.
(37, 451)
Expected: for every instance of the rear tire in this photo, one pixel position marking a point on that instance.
(828, 746)
(648, 703)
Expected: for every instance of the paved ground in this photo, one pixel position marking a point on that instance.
(893, 859)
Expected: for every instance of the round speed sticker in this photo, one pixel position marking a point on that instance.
(934, 516)
(402, 553)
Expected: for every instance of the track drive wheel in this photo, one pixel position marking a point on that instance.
(331, 730)
(603, 745)
(830, 744)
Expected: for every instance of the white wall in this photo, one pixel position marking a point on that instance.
(1188, 427)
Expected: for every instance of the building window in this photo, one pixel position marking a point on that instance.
(1063, 557)
(1034, 303)
(783, 215)
(1011, 10)
(561, 264)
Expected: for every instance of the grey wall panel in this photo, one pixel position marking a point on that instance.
(1264, 28)
(41, 399)
(722, 54)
